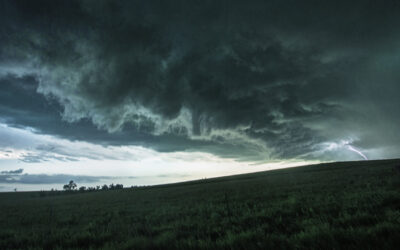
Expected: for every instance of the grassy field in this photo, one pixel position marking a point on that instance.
(353, 205)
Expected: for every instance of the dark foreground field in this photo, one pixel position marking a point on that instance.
(329, 206)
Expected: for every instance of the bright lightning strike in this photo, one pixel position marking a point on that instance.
(345, 144)
(357, 151)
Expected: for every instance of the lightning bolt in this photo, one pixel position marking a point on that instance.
(357, 151)
(345, 144)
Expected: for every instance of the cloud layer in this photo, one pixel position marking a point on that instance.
(16, 176)
(255, 81)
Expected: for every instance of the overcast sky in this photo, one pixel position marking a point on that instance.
(146, 92)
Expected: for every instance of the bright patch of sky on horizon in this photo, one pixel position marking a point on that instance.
(46, 160)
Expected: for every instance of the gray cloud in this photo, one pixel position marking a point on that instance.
(172, 175)
(266, 79)
(50, 179)
(16, 176)
(11, 172)
(44, 156)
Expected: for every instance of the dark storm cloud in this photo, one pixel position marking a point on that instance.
(21, 106)
(254, 80)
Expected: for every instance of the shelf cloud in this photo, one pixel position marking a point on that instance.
(264, 80)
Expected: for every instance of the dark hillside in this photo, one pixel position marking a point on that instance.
(328, 206)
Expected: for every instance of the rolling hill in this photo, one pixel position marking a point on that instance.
(352, 205)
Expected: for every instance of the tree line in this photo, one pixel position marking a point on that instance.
(72, 186)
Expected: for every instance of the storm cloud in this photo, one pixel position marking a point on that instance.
(48, 179)
(18, 171)
(16, 176)
(255, 81)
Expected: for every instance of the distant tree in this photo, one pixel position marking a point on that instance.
(70, 186)
(82, 189)
(97, 187)
(15, 189)
(112, 186)
(104, 187)
(119, 186)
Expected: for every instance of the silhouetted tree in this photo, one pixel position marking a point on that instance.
(70, 186)
(82, 189)
(104, 187)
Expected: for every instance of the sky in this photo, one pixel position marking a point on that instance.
(150, 92)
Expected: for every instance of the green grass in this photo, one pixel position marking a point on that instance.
(353, 205)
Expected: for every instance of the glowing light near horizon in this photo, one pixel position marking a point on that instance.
(45, 154)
